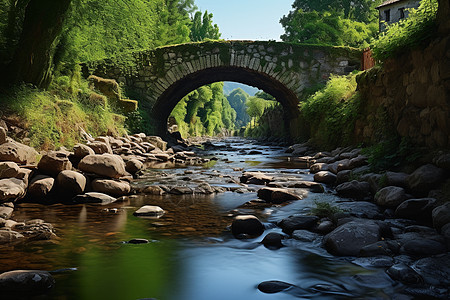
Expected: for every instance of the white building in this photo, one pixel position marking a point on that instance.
(392, 11)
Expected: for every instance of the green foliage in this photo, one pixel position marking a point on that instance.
(203, 28)
(408, 33)
(332, 111)
(325, 210)
(270, 124)
(237, 99)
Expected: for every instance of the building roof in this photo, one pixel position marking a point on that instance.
(388, 2)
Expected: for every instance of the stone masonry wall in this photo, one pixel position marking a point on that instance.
(409, 95)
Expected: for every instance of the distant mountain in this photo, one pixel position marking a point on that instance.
(230, 86)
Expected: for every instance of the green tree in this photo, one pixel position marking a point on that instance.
(237, 100)
(202, 27)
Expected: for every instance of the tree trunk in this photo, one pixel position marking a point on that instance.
(42, 25)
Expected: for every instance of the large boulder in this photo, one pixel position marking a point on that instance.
(6, 210)
(247, 226)
(40, 186)
(133, 166)
(8, 169)
(18, 153)
(100, 147)
(317, 167)
(70, 183)
(297, 221)
(425, 178)
(390, 196)
(7, 236)
(277, 195)
(325, 177)
(81, 151)
(11, 189)
(26, 282)
(157, 141)
(115, 188)
(434, 270)
(54, 162)
(3, 135)
(416, 209)
(397, 179)
(354, 189)
(257, 178)
(441, 215)
(107, 165)
(149, 211)
(350, 238)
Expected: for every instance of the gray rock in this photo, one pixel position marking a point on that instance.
(356, 162)
(374, 262)
(11, 189)
(273, 240)
(317, 167)
(276, 195)
(149, 211)
(296, 222)
(325, 227)
(107, 165)
(153, 190)
(100, 147)
(390, 196)
(111, 187)
(416, 209)
(434, 270)
(325, 177)
(397, 179)
(361, 209)
(24, 175)
(440, 215)
(8, 169)
(181, 190)
(71, 183)
(8, 236)
(18, 153)
(257, 178)
(354, 189)
(350, 238)
(425, 178)
(138, 241)
(205, 188)
(26, 282)
(401, 272)
(380, 248)
(343, 176)
(247, 226)
(54, 162)
(304, 235)
(93, 198)
(443, 161)
(423, 247)
(272, 287)
(40, 186)
(445, 231)
(314, 187)
(81, 151)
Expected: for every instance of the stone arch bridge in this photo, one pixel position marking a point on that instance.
(161, 77)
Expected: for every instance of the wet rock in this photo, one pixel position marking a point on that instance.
(397, 179)
(314, 187)
(350, 238)
(425, 178)
(445, 231)
(338, 166)
(255, 204)
(401, 272)
(317, 167)
(138, 241)
(133, 166)
(26, 282)
(8, 236)
(181, 190)
(325, 177)
(54, 162)
(18, 153)
(107, 165)
(443, 161)
(390, 196)
(359, 161)
(93, 198)
(257, 178)
(434, 270)
(343, 176)
(247, 225)
(205, 188)
(40, 186)
(71, 183)
(376, 280)
(157, 141)
(296, 222)
(100, 147)
(6, 210)
(380, 248)
(440, 215)
(153, 190)
(416, 209)
(114, 188)
(149, 211)
(8, 169)
(423, 247)
(37, 230)
(374, 262)
(324, 227)
(276, 195)
(272, 287)
(304, 235)
(11, 189)
(273, 240)
(361, 209)
(354, 189)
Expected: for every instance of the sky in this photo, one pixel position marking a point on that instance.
(247, 19)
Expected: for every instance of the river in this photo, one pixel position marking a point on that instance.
(191, 254)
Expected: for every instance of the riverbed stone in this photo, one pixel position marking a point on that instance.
(314, 187)
(54, 162)
(26, 282)
(81, 150)
(40, 186)
(325, 177)
(257, 178)
(100, 147)
(156, 141)
(247, 226)
(6, 210)
(390, 196)
(149, 211)
(423, 247)
(425, 178)
(276, 195)
(273, 240)
(111, 187)
(24, 175)
(298, 221)
(274, 286)
(107, 165)
(397, 179)
(133, 166)
(93, 198)
(434, 270)
(204, 188)
(361, 209)
(181, 190)
(7, 236)
(416, 209)
(3, 135)
(18, 153)
(350, 238)
(354, 189)
(304, 235)
(11, 189)
(403, 273)
(343, 176)
(71, 183)
(441, 215)
(317, 167)
(8, 169)
(153, 190)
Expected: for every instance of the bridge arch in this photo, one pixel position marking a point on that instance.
(160, 78)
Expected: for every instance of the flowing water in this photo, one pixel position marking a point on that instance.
(191, 254)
